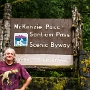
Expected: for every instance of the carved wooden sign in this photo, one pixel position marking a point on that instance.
(42, 41)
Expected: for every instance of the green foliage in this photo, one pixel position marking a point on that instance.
(84, 9)
(86, 35)
(1, 12)
(45, 83)
(2, 2)
(25, 9)
(53, 83)
(36, 9)
(47, 73)
(85, 72)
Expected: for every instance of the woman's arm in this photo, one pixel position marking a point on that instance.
(25, 84)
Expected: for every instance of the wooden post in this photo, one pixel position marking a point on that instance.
(6, 26)
(76, 36)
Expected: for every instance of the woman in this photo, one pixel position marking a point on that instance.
(11, 72)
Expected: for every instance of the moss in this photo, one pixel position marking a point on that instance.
(51, 83)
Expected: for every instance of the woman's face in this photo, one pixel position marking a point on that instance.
(9, 55)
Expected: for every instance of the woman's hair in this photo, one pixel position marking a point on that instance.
(11, 50)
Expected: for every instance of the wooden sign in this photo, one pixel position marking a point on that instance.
(42, 41)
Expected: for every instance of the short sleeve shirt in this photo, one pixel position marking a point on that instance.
(10, 75)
